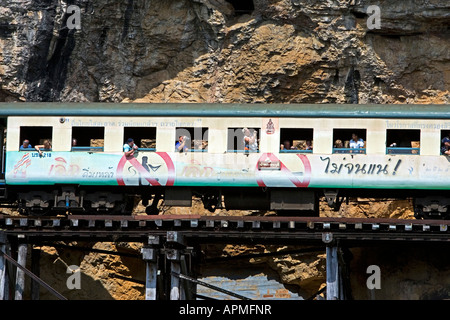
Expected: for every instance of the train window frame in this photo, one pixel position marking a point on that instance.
(394, 148)
(239, 130)
(35, 131)
(300, 133)
(84, 136)
(137, 134)
(337, 132)
(192, 132)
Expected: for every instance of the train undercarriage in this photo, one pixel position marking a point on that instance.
(95, 200)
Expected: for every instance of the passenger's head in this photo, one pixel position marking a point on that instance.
(446, 141)
(246, 132)
(287, 144)
(74, 142)
(338, 144)
(47, 144)
(355, 137)
(25, 143)
(130, 142)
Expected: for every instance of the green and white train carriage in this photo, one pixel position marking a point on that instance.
(400, 157)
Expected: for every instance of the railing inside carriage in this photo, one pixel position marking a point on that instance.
(350, 150)
(88, 149)
(295, 151)
(241, 151)
(402, 150)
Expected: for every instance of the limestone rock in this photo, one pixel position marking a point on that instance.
(283, 51)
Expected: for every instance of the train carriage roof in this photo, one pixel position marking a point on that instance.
(405, 111)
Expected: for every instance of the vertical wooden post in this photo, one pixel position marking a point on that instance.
(332, 273)
(3, 279)
(186, 287)
(182, 284)
(175, 281)
(20, 275)
(176, 240)
(150, 280)
(9, 277)
(149, 255)
(35, 268)
(173, 255)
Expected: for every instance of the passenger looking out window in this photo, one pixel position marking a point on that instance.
(26, 145)
(445, 150)
(356, 142)
(47, 146)
(250, 140)
(338, 144)
(130, 147)
(349, 140)
(286, 145)
(296, 140)
(181, 144)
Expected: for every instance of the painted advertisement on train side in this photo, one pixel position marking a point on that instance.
(220, 170)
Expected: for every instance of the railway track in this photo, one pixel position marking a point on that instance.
(225, 228)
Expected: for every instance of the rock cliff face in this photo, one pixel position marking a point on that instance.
(275, 51)
(234, 51)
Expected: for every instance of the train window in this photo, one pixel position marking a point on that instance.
(243, 140)
(191, 139)
(399, 141)
(296, 140)
(88, 138)
(349, 141)
(33, 136)
(144, 137)
(445, 142)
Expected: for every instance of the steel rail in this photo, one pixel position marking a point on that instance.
(230, 228)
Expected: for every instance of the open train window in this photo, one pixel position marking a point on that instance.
(295, 140)
(88, 138)
(400, 141)
(191, 139)
(34, 136)
(243, 140)
(144, 137)
(349, 141)
(445, 142)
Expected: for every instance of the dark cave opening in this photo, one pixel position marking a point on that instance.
(242, 6)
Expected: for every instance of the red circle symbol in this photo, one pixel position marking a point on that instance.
(294, 179)
(145, 174)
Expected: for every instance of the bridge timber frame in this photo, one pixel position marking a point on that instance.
(173, 241)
